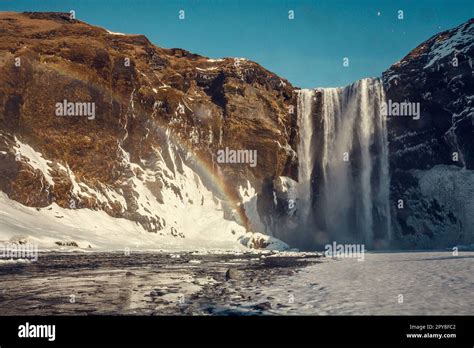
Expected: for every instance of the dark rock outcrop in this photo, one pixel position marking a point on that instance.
(427, 155)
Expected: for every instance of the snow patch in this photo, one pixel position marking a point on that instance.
(206, 69)
(248, 197)
(115, 33)
(34, 158)
(262, 241)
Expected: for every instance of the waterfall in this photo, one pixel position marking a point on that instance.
(305, 163)
(343, 163)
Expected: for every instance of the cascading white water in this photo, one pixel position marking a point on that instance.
(343, 148)
(384, 170)
(305, 155)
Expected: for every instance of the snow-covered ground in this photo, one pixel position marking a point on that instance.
(169, 197)
(405, 283)
(46, 227)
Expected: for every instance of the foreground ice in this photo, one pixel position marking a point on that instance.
(405, 283)
(241, 283)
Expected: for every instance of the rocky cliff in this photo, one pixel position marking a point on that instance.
(156, 111)
(432, 155)
(108, 123)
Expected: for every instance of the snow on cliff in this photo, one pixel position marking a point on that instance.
(459, 40)
(183, 213)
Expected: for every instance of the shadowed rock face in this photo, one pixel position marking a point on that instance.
(438, 74)
(145, 98)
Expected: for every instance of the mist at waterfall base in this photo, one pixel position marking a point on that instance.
(343, 178)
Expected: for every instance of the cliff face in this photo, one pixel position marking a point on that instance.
(110, 122)
(156, 111)
(431, 158)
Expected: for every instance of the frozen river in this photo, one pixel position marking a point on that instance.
(405, 283)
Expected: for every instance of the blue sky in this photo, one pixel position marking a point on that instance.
(308, 51)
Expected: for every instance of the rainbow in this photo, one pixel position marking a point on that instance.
(199, 162)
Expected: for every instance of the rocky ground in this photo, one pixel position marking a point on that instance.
(146, 284)
(239, 284)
